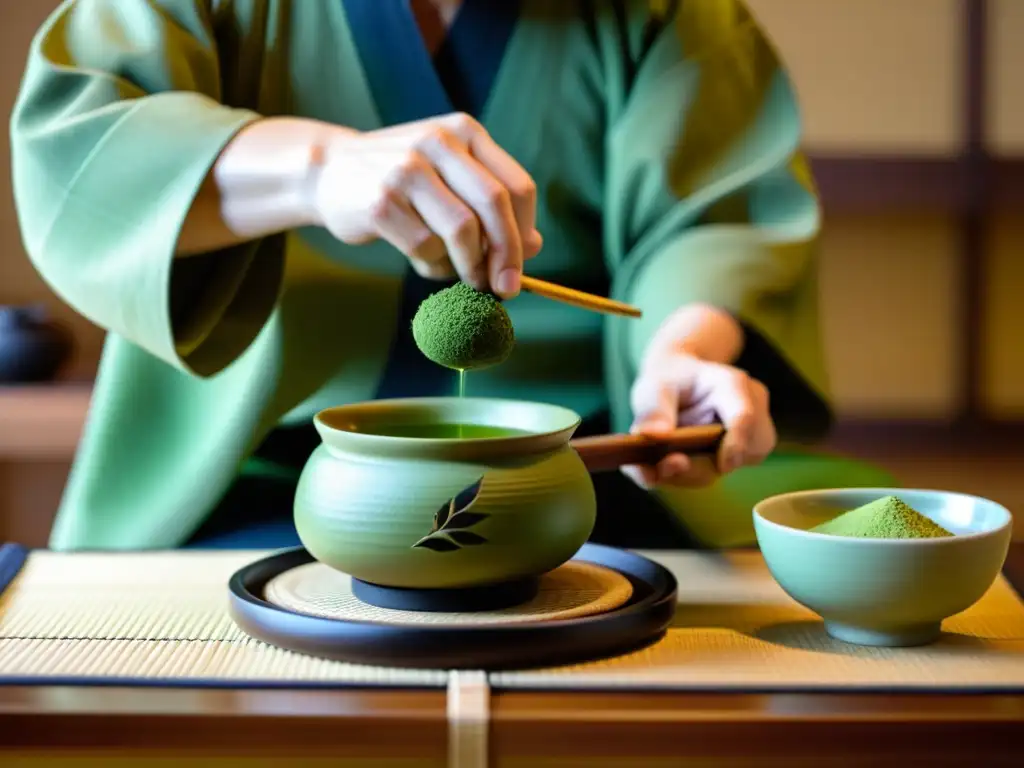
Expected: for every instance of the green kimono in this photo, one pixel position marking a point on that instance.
(664, 140)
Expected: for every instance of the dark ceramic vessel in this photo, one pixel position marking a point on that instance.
(32, 347)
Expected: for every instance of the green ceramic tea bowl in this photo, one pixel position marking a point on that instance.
(883, 592)
(444, 493)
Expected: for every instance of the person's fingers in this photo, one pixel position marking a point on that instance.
(696, 472)
(515, 178)
(676, 470)
(681, 390)
(742, 405)
(765, 436)
(644, 476)
(448, 217)
(532, 245)
(671, 465)
(478, 188)
(398, 223)
(655, 403)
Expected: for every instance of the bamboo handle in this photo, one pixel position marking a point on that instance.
(578, 298)
(605, 453)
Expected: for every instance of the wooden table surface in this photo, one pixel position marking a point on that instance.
(536, 729)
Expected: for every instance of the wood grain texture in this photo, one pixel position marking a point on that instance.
(578, 298)
(42, 422)
(561, 728)
(30, 493)
(604, 453)
(347, 723)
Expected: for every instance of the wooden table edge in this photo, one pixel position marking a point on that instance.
(358, 721)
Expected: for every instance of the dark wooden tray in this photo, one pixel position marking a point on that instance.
(641, 621)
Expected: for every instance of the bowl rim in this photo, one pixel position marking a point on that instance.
(882, 491)
(572, 419)
(336, 437)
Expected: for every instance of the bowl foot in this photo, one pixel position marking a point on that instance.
(904, 637)
(490, 597)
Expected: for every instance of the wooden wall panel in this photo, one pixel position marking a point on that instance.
(875, 76)
(889, 304)
(19, 282)
(1003, 328)
(30, 493)
(1005, 92)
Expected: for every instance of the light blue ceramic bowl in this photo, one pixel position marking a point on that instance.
(883, 592)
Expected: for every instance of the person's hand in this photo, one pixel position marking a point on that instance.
(440, 190)
(676, 388)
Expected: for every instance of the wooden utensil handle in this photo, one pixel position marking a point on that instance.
(578, 298)
(604, 453)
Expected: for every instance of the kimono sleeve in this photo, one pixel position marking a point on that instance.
(117, 123)
(711, 202)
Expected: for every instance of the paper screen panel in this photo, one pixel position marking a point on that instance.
(1004, 62)
(1003, 317)
(873, 76)
(890, 307)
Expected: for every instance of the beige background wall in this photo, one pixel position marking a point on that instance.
(876, 76)
(884, 77)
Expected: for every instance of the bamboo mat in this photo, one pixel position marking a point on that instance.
(735, 629)
(161, 618)
(572, 591)
(154, 617)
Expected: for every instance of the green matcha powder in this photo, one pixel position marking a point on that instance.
(463, 328)
(886, 518)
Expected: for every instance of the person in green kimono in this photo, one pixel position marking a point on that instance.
(253, 196)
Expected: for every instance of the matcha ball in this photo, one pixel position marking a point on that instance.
(462, 328)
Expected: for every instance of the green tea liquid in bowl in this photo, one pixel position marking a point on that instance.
(438, 493)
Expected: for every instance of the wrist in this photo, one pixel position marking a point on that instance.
(314, 145)
(267, 176)
(701, 331)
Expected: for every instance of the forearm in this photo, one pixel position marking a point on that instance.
(701, 330)
(259, 185)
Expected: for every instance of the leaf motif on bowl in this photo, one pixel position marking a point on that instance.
(437, 544)
(451, 521)
(466, 538)
(464, 520)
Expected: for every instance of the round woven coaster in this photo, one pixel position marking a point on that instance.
(571, 591)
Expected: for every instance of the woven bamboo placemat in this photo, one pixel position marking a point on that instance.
(155, 617)
(735, 629)
(573, 591)
(161, 618)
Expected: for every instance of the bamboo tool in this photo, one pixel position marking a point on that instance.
(605, 453)
(578, 298)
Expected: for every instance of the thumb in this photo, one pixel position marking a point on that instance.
(655, 404)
